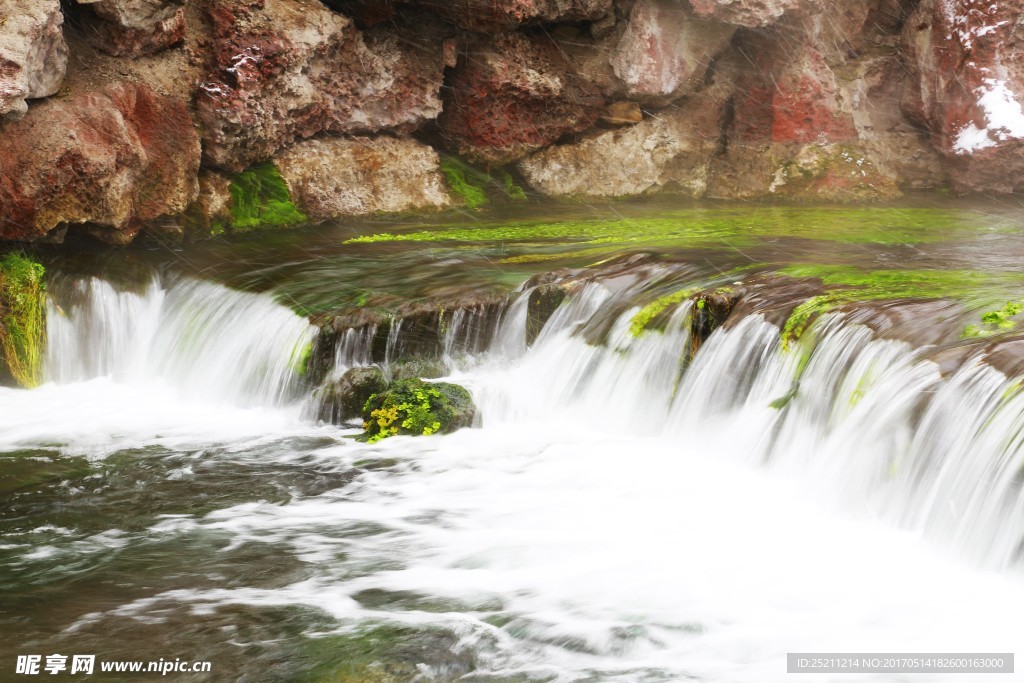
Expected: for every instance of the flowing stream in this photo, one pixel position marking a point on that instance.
(618, 514)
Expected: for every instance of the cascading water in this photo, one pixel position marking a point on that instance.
(206, 340)
(624, 513)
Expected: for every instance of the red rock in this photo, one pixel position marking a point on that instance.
(513, 96)
(665, 51)
(288, 69)
(487, 15)
(114, 159)
(33, 54)
(967, 62)
(132, 28)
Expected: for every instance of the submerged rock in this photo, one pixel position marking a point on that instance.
(33, 54)
(289, 69)
(332, 177)
(132, 28)
(415, 407)
(114, 159)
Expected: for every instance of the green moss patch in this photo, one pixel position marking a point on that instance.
(415, 407)
(847, 284)
(474, 186)
(22, 318)
(260, 198)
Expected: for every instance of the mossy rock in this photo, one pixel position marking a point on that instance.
(260, 198)
(344, 399)
(415, 407)
(22, 320)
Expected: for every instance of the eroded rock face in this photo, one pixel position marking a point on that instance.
(134, 27)
(750, 13)
(967, 60)
(332, 177)
(674, 147)
(33, 54)
(512, 96)
(507, 14)
(665, 50)
(288, 69)
(113, 159)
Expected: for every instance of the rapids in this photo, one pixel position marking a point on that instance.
(621, 512)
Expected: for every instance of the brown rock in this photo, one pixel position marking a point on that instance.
(115, 159)
(33, 54)
(130, 28)
(332, 177)
(673, 148)
(512, 96)
(489, 15)
(665, 50)
(288, 69)
(967, 65)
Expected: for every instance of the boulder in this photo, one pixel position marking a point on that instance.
(114, 159)
(967, 67)
(415, 407)
(673, 148)
(289, 69)
(131, 28)
(491, 15)
(665, 50)
(514, 95)
(343, 400)
(33, 54)
(332, 177)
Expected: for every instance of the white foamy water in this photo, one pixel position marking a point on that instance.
(619, 516)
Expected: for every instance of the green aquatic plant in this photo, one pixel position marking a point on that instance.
(22, 317)
(415, 407)
(260, 198)
(709, 226)
(299, 360)
(995, 322)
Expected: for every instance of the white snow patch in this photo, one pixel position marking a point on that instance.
(1003, 114)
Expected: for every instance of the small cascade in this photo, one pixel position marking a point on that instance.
(862, 419)
(206, 341)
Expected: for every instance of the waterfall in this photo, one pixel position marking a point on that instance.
(207, 341)
(863, 419)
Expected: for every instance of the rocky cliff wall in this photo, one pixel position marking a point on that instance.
(193, 117)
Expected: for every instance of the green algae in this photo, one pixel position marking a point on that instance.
(260, 198)
(22, 318)
(708, 226)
